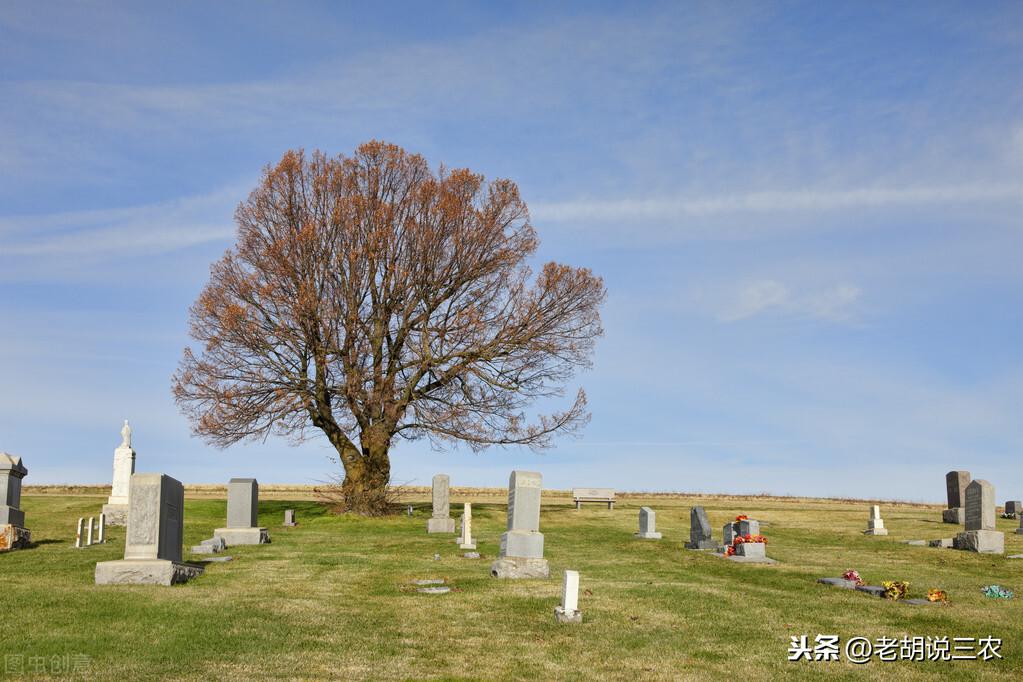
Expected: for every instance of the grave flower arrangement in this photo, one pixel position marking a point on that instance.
(895, 589)
(934, 594)
(853, 575)
(997, 592)
(741, 517)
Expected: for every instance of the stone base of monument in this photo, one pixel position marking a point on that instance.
(563, 616)
(145, 572)
(520, 567)
(116, 514)
(243, 536)
(703, 544)
(1019, 531)
(956, 515)
(983, 541)
(213, 545)
(645, 536)
(750, 553)
(466, 545)
(876, 531)
(940, 542)
(14, 537)
(440, 525)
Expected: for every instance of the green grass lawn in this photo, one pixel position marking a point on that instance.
(331, 598)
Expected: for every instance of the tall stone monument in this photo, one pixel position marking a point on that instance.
(465, 540)
(955, 489)
(441, 521)
(521, 552)
(699, 530)
(980, 534)
(13, 534)
(648, 524)
(875, 526)
(243, 514)
(152, 547)
(116, 508)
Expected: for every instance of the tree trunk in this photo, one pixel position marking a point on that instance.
(367, 474)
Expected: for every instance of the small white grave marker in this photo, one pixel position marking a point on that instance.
(88, 536)
(78, 533)
(569, 611)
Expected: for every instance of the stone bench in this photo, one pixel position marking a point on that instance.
(580, 495)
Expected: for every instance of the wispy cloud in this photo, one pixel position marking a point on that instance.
(135, 230)
(774, 201)
(835, 304)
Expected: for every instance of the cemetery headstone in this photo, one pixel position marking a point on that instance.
(1013, 508)
(728, 534)
(700, 535)
(521, 551)
(648, 524)
(116, 508)
(955, 490)
(568, 611)
(88, 534)
(152, 546)
(441, 521)
(1019, 531)
(875, 525)
(78, 533)
(980, 534)
(744, 543)
(466, 540)
(289, 518)
(243, 514)
(13, 534)
(102, 529)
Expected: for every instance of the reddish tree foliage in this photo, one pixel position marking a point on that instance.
(373, 298)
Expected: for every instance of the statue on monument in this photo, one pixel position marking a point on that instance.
(126, 435)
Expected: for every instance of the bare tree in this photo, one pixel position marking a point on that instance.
(373, 298)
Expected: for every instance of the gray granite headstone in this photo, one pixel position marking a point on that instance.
(152, 547)
(980, 506)
(521, 550)
(700, 535)
(441, 496)
(155, 518)
(243, 514)
(1013, 507)
(648, 524)
(12, 470)
(955, 488)
(749, 527)
(441, 521)
(980, 534)
(242, 503)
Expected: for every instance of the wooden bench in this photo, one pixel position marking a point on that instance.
(580, 495)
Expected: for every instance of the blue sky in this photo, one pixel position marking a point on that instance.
(808, 217)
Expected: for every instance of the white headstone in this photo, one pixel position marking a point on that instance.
(466, 540)
(569, 612)
(116, 508)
